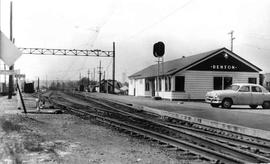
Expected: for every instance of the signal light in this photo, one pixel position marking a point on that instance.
(159, 49)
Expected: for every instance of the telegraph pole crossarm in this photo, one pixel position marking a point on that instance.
(232, 38)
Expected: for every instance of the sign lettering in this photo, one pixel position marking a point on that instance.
(223, 67)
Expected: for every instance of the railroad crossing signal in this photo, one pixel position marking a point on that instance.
(9, 53)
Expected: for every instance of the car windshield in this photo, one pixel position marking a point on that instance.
(233, 87)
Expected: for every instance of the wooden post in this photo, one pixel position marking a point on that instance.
(99, 78)
(113, 69)
(24, 109)
(10, 83)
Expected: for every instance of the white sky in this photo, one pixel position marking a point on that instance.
(186, 27)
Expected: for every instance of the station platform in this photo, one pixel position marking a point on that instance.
(10, 106)
(239, 118)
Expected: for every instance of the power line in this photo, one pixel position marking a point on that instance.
(161, 19)
(259, 36)
(256, 47)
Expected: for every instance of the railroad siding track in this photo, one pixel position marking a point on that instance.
(237, 155)
(199, 151)
(183, 124)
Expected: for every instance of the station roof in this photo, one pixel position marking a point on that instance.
(173, 66)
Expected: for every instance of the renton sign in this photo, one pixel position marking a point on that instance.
(223, 67)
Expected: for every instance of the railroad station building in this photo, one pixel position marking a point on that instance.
(191, 77)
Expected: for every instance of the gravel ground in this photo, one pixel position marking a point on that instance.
(62, 138)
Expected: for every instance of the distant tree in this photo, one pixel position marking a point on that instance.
(83, 81)
(52, 86)
(70, 84)
(93, 82)
(125, 84)
(58, 85)
(63, 87)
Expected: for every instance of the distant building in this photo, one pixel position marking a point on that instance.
(3, 88)
(266, 82)
(191, 77)
(124, 77)
(107, 86)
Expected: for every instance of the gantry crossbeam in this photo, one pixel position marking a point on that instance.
(66, 52)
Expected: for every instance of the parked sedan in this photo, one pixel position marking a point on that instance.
(240, 94)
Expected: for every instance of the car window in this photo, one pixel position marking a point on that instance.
(233, 87)
(256, 89)
(244, 89)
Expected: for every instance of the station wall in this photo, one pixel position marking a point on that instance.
(197, 84)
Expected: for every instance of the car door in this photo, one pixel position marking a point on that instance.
(257, 95)
(244, 96)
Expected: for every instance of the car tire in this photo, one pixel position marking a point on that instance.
(227, 103)
(253, 106)
(266, 105)
(215, 105)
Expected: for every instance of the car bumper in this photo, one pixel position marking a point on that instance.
(213, 101)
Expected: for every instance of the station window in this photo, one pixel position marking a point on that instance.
(227, 82)
(147, 85)
(158, 86)
(252, 80)
(222, 82)
(169, 83)
(217, 83)
(180, 83)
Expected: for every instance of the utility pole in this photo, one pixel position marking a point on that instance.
(113, 69)
(88, 80)
(10, 83)
(94, 74)
(0, 45)
(232, 38)
(99, 68)
(46, 82)
(5, 78)
(105, 83)
(80, 77)
(38, 85)
(158, 77)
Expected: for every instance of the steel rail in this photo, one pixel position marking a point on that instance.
(230, 150)
(224, 138)
(157, 136)
(243, 138)
(206, 142)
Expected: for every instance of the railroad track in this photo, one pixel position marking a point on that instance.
(206, 147)
(239, 138)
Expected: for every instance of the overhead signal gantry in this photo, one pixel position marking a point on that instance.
(74, 52)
